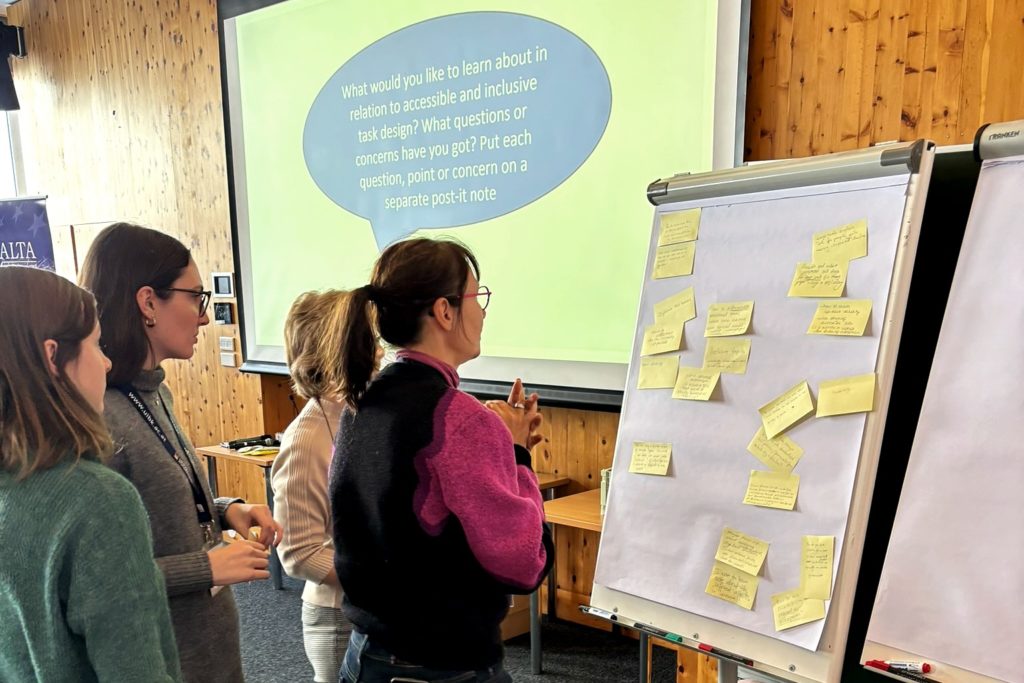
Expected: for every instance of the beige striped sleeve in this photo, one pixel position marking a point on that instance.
(301, 505)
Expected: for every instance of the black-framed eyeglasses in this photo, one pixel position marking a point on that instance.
(484, 291)
(202, 295)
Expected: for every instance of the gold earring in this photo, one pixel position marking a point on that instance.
(151, 322)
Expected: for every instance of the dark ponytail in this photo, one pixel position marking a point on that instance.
(359, 346)
(407, 279)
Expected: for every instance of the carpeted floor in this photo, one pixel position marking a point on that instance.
(272, 645)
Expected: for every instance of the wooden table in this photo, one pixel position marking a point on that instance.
(581, 511)
(212, 454)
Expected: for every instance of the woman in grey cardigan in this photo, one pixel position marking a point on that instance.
(151, 306)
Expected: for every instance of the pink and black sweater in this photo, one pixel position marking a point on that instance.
(437, 518)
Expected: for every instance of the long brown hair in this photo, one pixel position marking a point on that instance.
(123, 258)
(313, 334)
(44, 419)
(407, 279)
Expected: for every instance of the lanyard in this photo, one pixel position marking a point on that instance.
(202, 509)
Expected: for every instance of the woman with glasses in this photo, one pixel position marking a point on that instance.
(151, 305)
(80, 596)
(437, 514)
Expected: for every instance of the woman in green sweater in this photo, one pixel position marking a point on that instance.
(80, 596)
(151, 305)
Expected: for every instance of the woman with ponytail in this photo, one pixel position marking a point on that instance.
(437, 513)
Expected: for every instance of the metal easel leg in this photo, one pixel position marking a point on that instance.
(644, 640)
(535, 651)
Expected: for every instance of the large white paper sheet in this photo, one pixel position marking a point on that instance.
(952, 588)
(660, 533)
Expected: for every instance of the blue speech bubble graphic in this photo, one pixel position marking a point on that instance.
(456, 120)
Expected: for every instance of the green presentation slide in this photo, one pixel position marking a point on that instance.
(527, 130)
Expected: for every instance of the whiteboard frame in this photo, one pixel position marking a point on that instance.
(771, 656)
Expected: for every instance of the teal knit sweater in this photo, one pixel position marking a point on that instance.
(81, 598)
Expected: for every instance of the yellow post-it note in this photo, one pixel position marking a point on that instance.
(741, 551)
(793, 609)
(727, 355)
(674, 260)
(846, 318)
(781, 453)
(658, 373)
(781, 413)
(728, 319)
(816, 566)
(694, 384)
(772, 490)
(662, 338)
(650, 458)
(732, 585)
(678, 307)
(679, 226)
(840, 245)
(846, 395)
(818, 279)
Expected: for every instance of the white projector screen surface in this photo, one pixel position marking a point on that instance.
(527, 130)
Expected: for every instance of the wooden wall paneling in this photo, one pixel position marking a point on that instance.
(949, 62)
(280, 404)
(851, 79)
(830, 77)
(761, 81)
(575, 561)
(783, 132)
(879, 70)
(976, 53)
(708, 669)
(812, 82)
(581, 459)
(607, 432)
(241, 396)
(912, 107)
(801, 99)
(1004, 91)
(890, 61)
(868, 16)
(927, 54)
(550, 454)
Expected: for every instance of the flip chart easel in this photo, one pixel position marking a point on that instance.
(660, 533)
(951, 588)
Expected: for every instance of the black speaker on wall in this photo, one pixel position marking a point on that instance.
(12, 43)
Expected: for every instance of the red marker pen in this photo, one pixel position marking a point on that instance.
(901, 669)
(914, 667)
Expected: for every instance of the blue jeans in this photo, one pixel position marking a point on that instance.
(367, 663)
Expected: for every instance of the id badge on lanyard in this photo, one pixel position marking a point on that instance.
(208, 541)
(203, 516)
